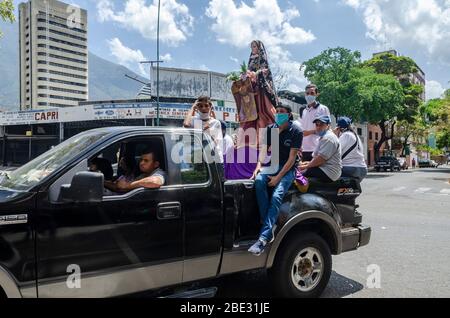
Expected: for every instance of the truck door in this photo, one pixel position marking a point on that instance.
(125, 244)
(202, 202)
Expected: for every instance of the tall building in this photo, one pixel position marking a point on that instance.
(53, 54)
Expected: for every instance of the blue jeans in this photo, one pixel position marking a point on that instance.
(270, 209)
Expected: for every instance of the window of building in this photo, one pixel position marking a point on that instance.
(376, 136)
(359, 131)
(370, 135)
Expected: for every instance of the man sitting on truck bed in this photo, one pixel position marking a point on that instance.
(290, 142)
(327, 162)
(152, 176)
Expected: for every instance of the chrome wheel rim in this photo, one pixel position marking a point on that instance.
(307, 269)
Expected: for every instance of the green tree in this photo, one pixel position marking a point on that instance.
(447, 94)
(443, 139)
(406, 130)
(352, 89)
(378, 99)
(401, 67)
(436, 112)
(331, 72)
(7, 11)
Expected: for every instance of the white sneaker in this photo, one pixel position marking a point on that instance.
(258, 248)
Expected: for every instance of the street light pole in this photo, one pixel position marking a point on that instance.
(157, 66)
(157, 84)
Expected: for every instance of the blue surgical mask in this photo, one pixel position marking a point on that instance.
(281, 119)
(310, 99)
(322, 133)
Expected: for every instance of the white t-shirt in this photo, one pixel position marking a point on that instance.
(215, 131)
(309, 114)
(228, 146)
(356, 157)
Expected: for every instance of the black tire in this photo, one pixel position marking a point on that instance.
(281, 272)
(2, 294)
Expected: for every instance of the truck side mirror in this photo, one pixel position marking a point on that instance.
(86, 187)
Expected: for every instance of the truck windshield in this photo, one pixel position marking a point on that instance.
(27, 176)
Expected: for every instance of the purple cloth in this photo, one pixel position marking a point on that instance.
(241, 163)
(300, 179)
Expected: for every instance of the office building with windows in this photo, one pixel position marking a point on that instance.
(53, 54)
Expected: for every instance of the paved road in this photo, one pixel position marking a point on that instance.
(409, 213)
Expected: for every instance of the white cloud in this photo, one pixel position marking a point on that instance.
(166, 58)
(238, 25)
(203, 67)
(176, 23)
(434, 89)
(127, 57)
(416, 24)
(235, 60)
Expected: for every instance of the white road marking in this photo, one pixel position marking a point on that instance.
(399, 189)
(445, 191)
(423, 190)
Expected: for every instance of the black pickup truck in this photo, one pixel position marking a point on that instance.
(62, 235)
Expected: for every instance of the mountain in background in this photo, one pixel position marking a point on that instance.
(107, 80)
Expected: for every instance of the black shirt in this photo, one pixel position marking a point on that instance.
(291, 138)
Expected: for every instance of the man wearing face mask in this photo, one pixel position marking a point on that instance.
(312, 111)
(353, 161)
(290, 141)
(327, 163)
(200, 116)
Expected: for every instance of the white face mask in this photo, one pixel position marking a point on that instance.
(204, 116)
(310, 99)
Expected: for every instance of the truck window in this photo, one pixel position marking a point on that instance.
(193, 167)
(120, 161)
(29, 175)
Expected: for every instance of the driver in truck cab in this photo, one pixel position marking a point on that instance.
(152, 176)
(290, 141)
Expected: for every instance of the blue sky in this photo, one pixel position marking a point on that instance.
(215, 34)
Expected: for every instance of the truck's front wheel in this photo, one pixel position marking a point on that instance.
(302, 268)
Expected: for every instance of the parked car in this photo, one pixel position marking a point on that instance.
(403, 163)
(387, 163)
(56, 221)
(440, 160)
(427, 163)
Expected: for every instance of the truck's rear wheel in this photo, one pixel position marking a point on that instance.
(302, 268)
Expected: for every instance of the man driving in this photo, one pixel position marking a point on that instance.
(152, 176)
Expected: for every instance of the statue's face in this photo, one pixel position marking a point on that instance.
(255, 48)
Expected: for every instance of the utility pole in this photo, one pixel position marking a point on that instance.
(157, 62)
(157, 84)
(157, 66)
